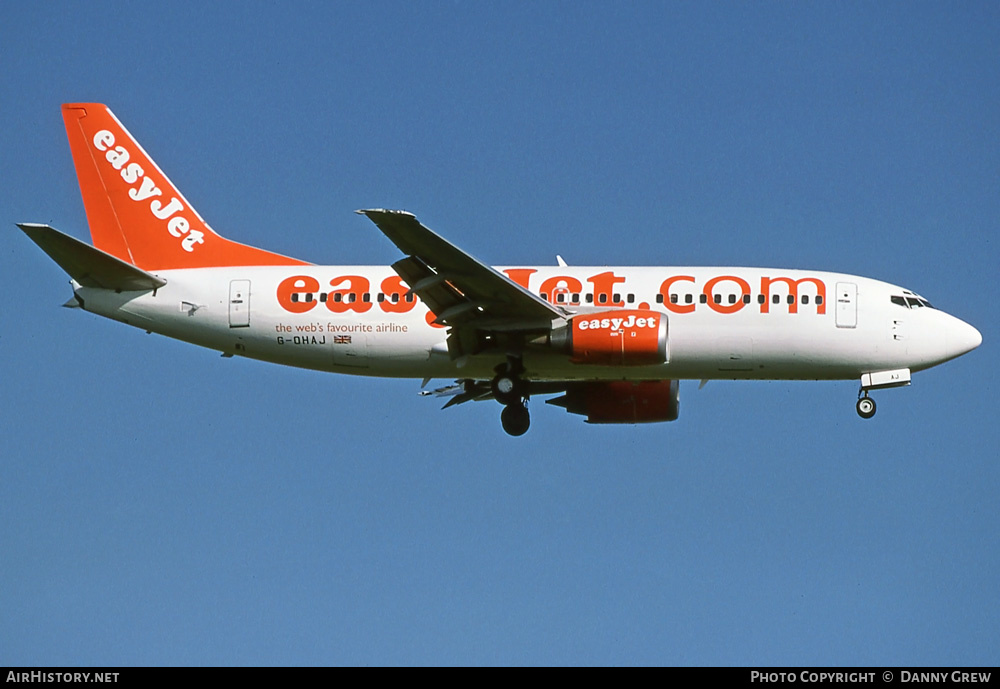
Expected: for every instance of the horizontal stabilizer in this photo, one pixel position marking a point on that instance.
(87, 265)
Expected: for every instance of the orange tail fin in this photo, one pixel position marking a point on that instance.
(135, 213)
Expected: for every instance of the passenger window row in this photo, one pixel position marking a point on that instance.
(351, 297)
(574, 298)
(733, 298)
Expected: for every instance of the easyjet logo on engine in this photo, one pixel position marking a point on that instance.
(616, 338)
(144, 188)
(615, 324)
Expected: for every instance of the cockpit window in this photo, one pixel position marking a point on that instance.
(911, 302)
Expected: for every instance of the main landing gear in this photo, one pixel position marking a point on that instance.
(865, 406)
(515, 419)
(510, 390)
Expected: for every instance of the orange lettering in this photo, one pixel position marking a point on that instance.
(395, 302)
(292, 291)
(350, 298)
(560, 285)
(430, 318)
(520, 275)
(726, 308)
(604, 283)
(665, 291)
(793, 292)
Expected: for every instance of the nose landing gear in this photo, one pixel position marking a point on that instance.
(879, 380)
(866, 406)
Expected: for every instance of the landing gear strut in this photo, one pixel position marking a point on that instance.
(510, 390)
(866, 406)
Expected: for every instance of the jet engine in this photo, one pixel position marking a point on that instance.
(614, 338)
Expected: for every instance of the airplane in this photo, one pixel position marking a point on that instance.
(610, 342)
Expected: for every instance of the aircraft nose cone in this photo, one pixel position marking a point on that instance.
(963, 338)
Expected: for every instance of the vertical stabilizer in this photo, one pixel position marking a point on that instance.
(135, 213)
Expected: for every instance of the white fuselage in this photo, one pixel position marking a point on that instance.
(735, 323)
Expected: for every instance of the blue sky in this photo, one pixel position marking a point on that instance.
(160, 505)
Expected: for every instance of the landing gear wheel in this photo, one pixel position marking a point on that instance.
(507, 389)
(515, 419)
(866, 407)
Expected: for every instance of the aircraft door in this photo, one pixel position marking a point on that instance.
(239, 304)
(847, 305)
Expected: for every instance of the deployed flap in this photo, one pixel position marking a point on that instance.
(89, 266)
(458, 288)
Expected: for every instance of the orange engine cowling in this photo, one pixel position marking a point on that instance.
(623, 401)
(615, 338)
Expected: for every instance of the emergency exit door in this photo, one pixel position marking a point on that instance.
(847, 305)
(239, 304)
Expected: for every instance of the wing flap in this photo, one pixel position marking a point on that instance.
(460, 289)
(88, 265)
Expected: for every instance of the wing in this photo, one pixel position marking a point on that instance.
(481, 306)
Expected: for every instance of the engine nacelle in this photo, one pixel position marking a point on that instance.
(615, 338)
(623, 401)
